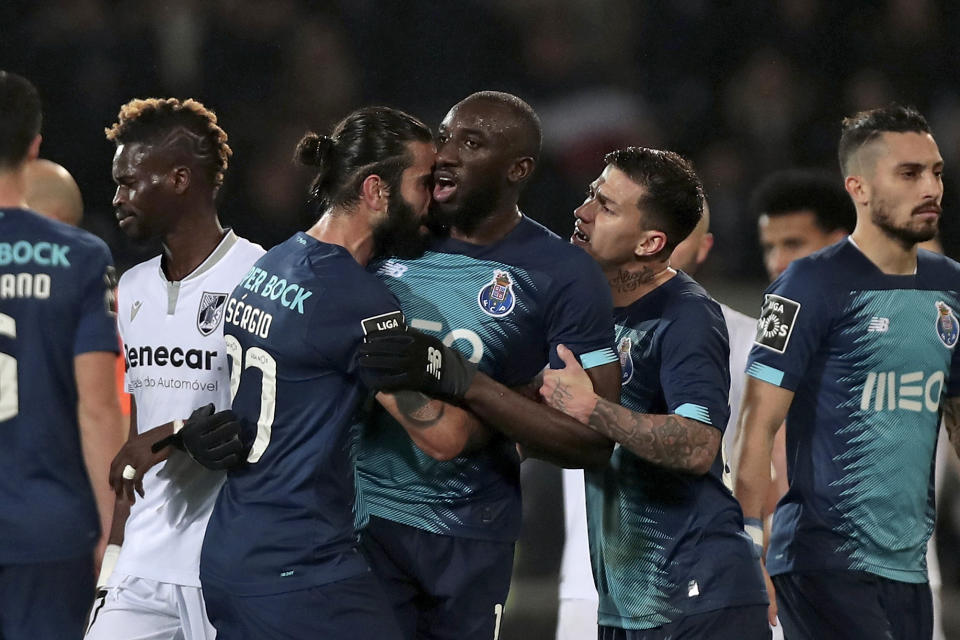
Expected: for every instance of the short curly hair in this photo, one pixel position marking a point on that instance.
(158, 121)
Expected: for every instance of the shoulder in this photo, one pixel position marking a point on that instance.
(689, 300)
(136, 274)
(736, 319)
(244, 249)
(938, 266)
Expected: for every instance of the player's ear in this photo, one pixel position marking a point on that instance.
(180, 178)
(521, 169)
(374, 192)
(650, 243)
(33, 151)
(706, 243)
(858, 189)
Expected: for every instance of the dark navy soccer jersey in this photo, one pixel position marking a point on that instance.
(506, 306)
(56, 302)
(869, 357)
(664, 544)
(284, 520)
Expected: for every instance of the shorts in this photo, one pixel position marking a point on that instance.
(149, 610)
(849, 605)
(441, 587)
(46, 599)
(344, 610)
(732, 623)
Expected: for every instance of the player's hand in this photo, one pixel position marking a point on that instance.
(413, 361)
(772, 594)
(136, 454)
(569, 389)
(212, 439)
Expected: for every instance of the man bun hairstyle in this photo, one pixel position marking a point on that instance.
(181, 125)
(865, 126)
(20, 118)
(369, 141)
(673, 202)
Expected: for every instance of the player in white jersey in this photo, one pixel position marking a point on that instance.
(577, 614)
(169, 164)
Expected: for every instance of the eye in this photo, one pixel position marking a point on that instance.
(442, 138)
(469, 143)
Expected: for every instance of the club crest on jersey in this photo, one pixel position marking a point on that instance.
(497, 298)
(626, 362)
(948, 329)
(210, 312)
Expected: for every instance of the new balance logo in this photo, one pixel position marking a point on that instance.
(434, 362)
(878, 325)
(911, 392)
(393, 269)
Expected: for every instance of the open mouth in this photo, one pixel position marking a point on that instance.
(579, 237)
(444, 186)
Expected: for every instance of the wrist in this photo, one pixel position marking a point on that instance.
(753, 527)
(110, 556)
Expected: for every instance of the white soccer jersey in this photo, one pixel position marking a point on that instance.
(576, 576)
(176, 361)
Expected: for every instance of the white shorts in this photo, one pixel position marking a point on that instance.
(141, 609)
(576, 619)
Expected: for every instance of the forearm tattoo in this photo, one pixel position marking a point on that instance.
(419, 409)
(669, 441)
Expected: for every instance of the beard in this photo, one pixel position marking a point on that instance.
(399, 234)
(475, 207)
(907, 234)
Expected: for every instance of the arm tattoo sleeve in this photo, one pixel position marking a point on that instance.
(669, 441)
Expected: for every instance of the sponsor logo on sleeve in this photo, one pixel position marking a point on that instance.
(392, 321)
(776, 322)
(210, 312)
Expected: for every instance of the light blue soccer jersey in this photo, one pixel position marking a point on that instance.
(505, 306)
(664, 544)
(869, 357)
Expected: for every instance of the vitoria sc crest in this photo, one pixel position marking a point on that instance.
(210, 312)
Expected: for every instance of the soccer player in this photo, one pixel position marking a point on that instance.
(52, 191)
(280, 557)
(799, 212)
(169, 164)
(58, 403)
(444, 514)
(669, 554)
(856, 350)
(577, 613)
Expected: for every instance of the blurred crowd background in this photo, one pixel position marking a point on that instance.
(743, 87)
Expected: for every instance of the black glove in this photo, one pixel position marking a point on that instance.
(412, 361)
(212, 439)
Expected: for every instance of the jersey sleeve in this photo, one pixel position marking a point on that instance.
(96, 321)
(695, 364)
(580, 316)
(795, 316)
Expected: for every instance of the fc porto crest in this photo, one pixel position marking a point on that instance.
(626, 362)
(210, 312)
(948, 329)
(497, 298)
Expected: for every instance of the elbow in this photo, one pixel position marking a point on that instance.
(700, 467)
(443, 450)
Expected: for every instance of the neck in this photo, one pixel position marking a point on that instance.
(630, 282)
(190, 242)
(13, 188)
(494, 227)
(351, 229)
(890, 255)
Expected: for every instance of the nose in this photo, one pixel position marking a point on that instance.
(777, 263)
(585, 211)
(933, 187)
(117, 199)
(446, 154)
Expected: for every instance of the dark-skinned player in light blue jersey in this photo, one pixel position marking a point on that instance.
(59, 413)
(441, 510)
(669, 553)
(280, 557)
(856, 348)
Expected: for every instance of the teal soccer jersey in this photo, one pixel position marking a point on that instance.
(506, 306)
(663, 544)
(869, 357)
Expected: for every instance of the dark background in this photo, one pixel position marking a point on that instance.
(743, 88)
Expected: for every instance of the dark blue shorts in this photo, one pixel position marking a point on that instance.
(847, 605)
(347, 609)
(733, 623)
(46, 600)
(441, 587)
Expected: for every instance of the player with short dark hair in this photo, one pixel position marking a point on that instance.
(58, 402)
(169, 164)
(443, 506)
(799, 211)
(280, 557)
(669, 554)
(856, 349)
